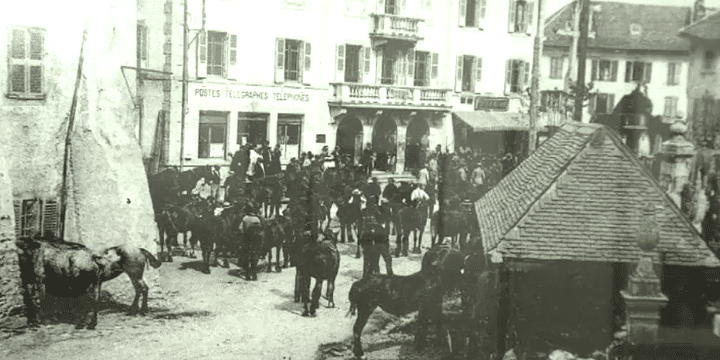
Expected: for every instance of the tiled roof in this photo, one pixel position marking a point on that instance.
(706, 28)
(580, 197)
(659, 26)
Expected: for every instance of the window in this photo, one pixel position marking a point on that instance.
(26, 62)
(426, 68)
(211, 134)
(604, 70)
(520, 16)
(393, 67)
(671, 105)
(603, 103)
(252, 128)
(472, 13)
(709, 61)
(517, 76)
(391, 7)
(469, 73)
(288, 135)
(556, 67)
(352, 63)
(638, 71)
(217, 54)
(36, 216)
(673, 75)
(142, 41)
(292, 60)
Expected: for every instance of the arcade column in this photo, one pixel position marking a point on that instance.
(401, 138)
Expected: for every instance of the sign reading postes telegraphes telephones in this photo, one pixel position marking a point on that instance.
(487, 103)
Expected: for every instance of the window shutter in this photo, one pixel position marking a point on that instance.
(400, 4)
(410, 67)
(300, 66)
(458, 73)
(435, 65)
(508, 76)
(226, 56)
(379, 64)
(233, 49)
(279, 60)
(611, 103)
(366, 63)
(526, 75)
(678, 71)
(202, 55)
(647, 75)
(478, 69)
(18, 55)
(428, 69)
(340, 61)
(381, 6)
(307, 63)
(476, 73)
(482, 5)
(478, 10)
(529, 12)
(593, 70)
(50, 218)
(628, 72)
(511, 16)
(613, 70)
(308, 53)
(17, 207)
(461, 12)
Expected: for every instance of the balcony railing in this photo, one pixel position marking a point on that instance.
(396, 27)
(350, 93)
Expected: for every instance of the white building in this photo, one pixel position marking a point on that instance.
(629, 44)
(310, 73)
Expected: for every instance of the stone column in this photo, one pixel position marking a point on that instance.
(643, 298)
(401, 138)
(676, 155)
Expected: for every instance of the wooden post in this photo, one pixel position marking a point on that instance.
(68, 135)
(534, 93)
(582, 57)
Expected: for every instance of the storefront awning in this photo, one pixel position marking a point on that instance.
(493, 121)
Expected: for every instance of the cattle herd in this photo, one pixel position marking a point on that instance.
(251, 222)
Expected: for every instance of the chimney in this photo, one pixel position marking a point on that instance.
(676, 156)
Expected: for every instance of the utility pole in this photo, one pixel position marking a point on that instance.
(582, 57)
(184, 84)
(572, 59)
(534, 86)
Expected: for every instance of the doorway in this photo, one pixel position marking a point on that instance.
(416, 143)
(384, 143)
(350, 138)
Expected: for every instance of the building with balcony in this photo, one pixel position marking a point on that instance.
(312, 73)
(629, 45)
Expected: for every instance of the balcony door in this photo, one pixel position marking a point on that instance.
(394, 67)
(391, 7)
(352, 63)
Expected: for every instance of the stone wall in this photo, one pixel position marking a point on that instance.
(10, 295)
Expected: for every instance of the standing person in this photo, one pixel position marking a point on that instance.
(301, 161)
(266, 153)
(255, 169)
(372, 188)
(366, 160)
(463, 177)
(336, 154)
(308, 160)
(250, 232)
(423, 176)
(275, 161)
(292, 167)
(478, 180)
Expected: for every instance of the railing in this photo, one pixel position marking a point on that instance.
(390, 94)
(386, 24)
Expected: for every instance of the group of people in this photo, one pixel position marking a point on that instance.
(256, 161)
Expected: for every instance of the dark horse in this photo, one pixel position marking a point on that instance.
(219, 231)
(411, 218)
(174, 220)
(65, 269)
(278, 235)
(319, 260)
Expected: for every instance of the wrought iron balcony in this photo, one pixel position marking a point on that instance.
(395, 27)
(364, 95)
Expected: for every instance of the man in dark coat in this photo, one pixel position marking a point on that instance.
(367, 159)
(372, 189)
(275, 160)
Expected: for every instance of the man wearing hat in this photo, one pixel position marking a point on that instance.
(250, 231)
(478, 180)
(374, 240)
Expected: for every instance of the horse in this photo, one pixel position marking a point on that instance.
(167, 186)
(411, 219)
(251, 244)
(349, 214)
(397, 295)
(319, 260)
(276, 236)
(174, 220)
(268, 192)
(65, 269)
(449, 223)
(218, 230)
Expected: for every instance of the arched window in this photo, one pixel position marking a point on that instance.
(709, 61)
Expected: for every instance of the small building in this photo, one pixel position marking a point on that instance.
(560, 235)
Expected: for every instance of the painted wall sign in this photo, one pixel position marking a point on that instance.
(256, 95)
(492, 103)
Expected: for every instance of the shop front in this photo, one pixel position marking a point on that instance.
(221, 118)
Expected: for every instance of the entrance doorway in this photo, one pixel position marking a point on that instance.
(416, 143)
(384, 143)
(252, 128)
(350, 138)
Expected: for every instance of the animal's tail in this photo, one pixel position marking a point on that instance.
(353, 297)
(151, 259)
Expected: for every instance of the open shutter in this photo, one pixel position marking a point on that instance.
(37, 52)
(611, 103)
(647, 75)
(361, 64)
(232, 57)
(678, 71)
(458, 73)
(300, 65)
(279, 60)
(435, 68)
(480, 6)
(628, 72)
(410, 67)
(202, 55)
(307, 63)
(529, 14)
(381, 7)
(613, 70)
(401, 7)
(511, 16)
(525, 76)
(593, 70)
(340, 63)
(478, 73)
(50, 218)
(428, 70)
(366, 64)
(226, 56)
(17, 207)
(508, 76)
(461, 12)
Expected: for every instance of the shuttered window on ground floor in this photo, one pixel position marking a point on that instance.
(37, 217)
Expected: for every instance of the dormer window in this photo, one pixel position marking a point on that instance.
(635, 29)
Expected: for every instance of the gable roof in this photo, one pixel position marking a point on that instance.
(580, 197)
(706, 28)
(659, 25)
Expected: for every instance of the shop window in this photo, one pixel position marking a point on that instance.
(212, 135)
(604, 70)
(638, 71)
(292, 60)
(556, 67)
(252, 128)
(472, 13)
(26, 77)
(517, 76)
(520, 16)
(37, 217)
(469, 73)
(673, 75)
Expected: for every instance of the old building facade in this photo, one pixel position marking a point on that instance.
(312, 73)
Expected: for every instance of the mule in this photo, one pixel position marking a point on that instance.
(319, 260)
(51, 266)
(349, 213)
(175, 220)
(216, 231)
(411, 219)
(276, 237)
